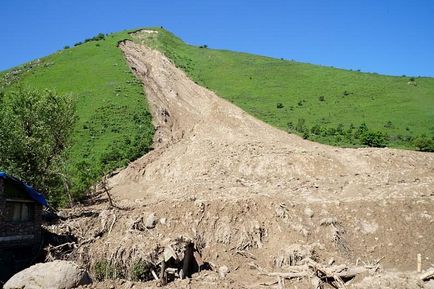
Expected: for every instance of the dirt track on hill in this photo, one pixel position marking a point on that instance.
(249, 193)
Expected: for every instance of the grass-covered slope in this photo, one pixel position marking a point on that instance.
(114, 123)
(324, 104)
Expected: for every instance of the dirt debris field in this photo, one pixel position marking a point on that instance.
(265, 208)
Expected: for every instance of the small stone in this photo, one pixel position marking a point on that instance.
(308, 212)
(163, 221)
(151, 221)
(223, 271)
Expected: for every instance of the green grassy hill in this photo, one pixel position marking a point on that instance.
(324, 104)
(333, 106)
(114, 123)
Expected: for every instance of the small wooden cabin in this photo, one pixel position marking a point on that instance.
(20, 222)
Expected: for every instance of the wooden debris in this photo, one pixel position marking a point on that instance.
(428, 275)
(318, 273)
(154, 275)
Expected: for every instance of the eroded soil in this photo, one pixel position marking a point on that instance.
(247, 192)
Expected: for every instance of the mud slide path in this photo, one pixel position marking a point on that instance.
(207, 148)
(246, 192)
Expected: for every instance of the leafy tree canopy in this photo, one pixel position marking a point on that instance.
(35, 127)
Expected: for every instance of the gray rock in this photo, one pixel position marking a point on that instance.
(51, 275)
(151, 221)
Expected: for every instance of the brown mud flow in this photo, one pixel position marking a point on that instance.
(257, 200)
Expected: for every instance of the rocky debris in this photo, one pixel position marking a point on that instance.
(52, 275)
(151, 221)
(223, 271)
(428, 275)
(308, 212)
(295, 254)
(392, 280)
(180, 259)
(335, 275)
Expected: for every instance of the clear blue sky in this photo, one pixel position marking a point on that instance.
(385, 36)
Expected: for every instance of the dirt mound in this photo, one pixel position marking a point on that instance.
(251, 196)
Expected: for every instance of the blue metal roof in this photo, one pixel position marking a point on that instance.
(31, 192)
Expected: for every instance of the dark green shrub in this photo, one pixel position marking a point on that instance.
(424, 144)
(331, 131)
(316, 129)
(279, 105)
(363, 128)
(373, 139)
(290, 126)
(321, 98)
(388, 124)
(66, 47)
(340, 129)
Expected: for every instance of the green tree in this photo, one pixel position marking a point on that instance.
(35, 127)
(373, 139)
(424, 144)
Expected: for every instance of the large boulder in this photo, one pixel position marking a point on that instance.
(51, 275)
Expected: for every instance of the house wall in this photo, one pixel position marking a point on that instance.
(18, 234)
(2, 203)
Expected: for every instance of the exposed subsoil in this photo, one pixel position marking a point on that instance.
(247, 193)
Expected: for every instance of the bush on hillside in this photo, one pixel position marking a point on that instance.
(388, 124)
(316, 129)
(99, 36)
(290, 126)
(373, 139)
(424, 144)
(362, 129)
